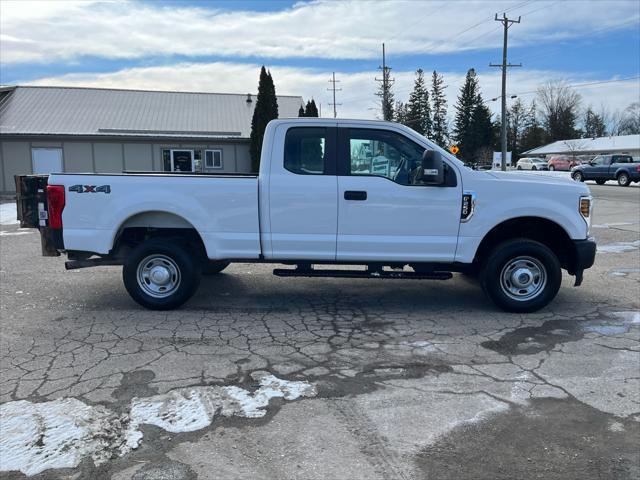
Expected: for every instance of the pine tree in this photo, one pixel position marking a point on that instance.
(301, 111)
(533, 135)
(386, 106)
(400, 113)
(516, 117)
(311, 110)
(266, 109)
(594, 126)
(465, 107)
(439, 133)
(418, 108)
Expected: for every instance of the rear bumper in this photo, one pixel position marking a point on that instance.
(585, 256)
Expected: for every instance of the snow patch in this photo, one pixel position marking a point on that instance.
(619, 247)
(17, 232)
(190, 409)
(8, 214)
(628, 317)
(610, 225)
(60, 433)
(56, 434)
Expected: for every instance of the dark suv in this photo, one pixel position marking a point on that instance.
(608, 167)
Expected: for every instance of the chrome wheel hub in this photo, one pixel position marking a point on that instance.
(158, 276)
(523, 278)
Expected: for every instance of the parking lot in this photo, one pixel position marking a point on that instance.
(367, 379)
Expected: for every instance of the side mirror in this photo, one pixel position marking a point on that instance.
(432, 168)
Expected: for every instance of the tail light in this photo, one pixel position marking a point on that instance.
(55, 200)
(638, 169)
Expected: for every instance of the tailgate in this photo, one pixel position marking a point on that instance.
(31, 203)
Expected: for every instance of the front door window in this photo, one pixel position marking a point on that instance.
(182, 160)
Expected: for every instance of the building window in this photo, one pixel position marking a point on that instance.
(213, 159)
(46, 160)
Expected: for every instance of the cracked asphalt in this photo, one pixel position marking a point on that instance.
(421, 379)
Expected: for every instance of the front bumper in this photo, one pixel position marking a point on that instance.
(584, 257)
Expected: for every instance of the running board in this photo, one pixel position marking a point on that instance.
(296, 272)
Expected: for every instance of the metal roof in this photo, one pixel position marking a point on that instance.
(619, 144)
(27, 110)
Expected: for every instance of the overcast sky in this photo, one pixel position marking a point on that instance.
(218, 46)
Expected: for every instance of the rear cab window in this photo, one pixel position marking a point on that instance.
(306, 151)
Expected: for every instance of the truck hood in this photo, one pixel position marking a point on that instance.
(538, 178)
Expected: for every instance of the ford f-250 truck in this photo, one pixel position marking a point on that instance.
(349, 192)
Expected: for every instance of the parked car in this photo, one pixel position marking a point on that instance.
(531, 163)
(608, 167)
(562, 162)
(310, 206)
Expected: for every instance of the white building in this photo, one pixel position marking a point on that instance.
(629, 144)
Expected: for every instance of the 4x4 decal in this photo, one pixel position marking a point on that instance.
(90, 188)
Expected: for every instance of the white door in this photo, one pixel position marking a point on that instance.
(386, 215)
(46, 160)
(303, 194)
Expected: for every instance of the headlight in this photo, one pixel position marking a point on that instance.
(586, 209)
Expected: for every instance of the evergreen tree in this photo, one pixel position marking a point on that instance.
(439, 132)
(465, 108)
(516, 117)
(400, 113)
(266, 109)
(533, 134)
(594, 126)
(386, 106)
(301, 111)
(311, 110)
(418, 108)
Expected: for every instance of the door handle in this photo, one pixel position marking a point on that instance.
(355, 195)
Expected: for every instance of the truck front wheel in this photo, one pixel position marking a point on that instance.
(160, 275)
(521, 275)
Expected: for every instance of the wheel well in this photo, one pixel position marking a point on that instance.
(539, 229)
(146, 225)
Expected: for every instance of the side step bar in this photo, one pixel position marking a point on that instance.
(310, 272)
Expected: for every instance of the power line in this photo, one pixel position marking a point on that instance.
(333, 88)
(506, 23)
(588, 84)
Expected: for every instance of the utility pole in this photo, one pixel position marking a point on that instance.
(504, 65)
(386, 85)
(333, 87)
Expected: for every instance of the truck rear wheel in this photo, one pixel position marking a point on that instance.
(160, 275)
(623, 179)
(521, 275)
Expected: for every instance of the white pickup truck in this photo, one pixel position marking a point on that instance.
(348, 192)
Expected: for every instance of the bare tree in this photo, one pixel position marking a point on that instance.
(575, 147)
(630, 124)
(560, 107)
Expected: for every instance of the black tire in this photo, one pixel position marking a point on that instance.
(534, 168)
(601, 182)
(182, 269)
(552, 168)
(578, 176)
(213, 267)
(518, 167)
(623, 179)
(526, 255)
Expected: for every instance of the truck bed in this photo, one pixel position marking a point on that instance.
(222, 208)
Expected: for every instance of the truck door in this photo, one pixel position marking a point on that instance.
(599, 168)
(303, 194)
(384, 214)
